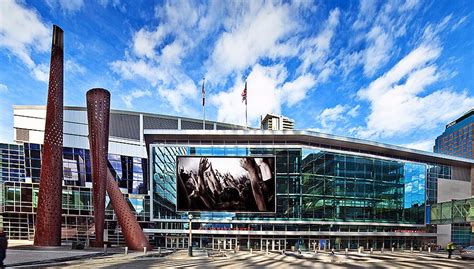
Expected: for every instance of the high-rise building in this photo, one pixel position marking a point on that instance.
(456, 140)
(277, 123)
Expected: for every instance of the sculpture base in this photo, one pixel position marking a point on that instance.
(96, 244)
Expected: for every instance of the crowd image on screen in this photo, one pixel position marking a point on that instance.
(201, 187)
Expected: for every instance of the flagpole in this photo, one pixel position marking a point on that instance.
(203, 106)
(244, 98)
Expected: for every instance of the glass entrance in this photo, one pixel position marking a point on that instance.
(223, 243)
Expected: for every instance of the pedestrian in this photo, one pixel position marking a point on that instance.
(450, 248)
(3, 247)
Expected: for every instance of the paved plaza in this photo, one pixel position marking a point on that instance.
(245, 259)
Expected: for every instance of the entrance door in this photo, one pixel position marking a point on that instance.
(224, 243)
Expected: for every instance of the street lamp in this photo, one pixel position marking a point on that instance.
(190, 242)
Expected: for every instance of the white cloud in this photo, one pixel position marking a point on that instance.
(144, 42)
(386, 25)
(263, 91)
(367, 10)
(331, 115)
(378, 52)
(67, 6)
(21, 33)
(128, 98)
(258, 33)
(408, 5)
(458, 23)
(181, 96)
(354, 112)
(3, 88)
(41, 72)
(397, 100)
(425, 145)
(336, 117)
(114, 3)
(296, 90)
(315, 51)
(72, 67)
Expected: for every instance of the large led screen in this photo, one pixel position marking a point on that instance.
(230, 184)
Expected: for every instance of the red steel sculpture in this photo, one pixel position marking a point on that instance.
(48, 215)
(131, 230)
(98, 110)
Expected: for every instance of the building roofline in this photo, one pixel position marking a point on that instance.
(463, 117)
(309, 137)
(119, 111)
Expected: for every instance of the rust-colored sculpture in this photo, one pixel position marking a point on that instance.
(48, 215)
(98, 109)
(131, 230)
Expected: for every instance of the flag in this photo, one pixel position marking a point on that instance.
(244, 93)
(203, 93)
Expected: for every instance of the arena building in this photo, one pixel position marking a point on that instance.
(331, 191)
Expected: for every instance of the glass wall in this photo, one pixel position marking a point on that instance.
(12, 162)
(131, 173)
(315, 185)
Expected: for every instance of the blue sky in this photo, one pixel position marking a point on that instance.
(390, 71)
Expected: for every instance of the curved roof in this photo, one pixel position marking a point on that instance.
(303, 137)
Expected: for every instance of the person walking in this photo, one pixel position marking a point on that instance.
(450, 248)
(3, 247)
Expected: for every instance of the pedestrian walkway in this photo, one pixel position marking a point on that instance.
(244, 259)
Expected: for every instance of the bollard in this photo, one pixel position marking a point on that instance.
(381, 250)
(371, 250)
(421, 249)
(105, 248)
(251, 250)
(429, 249)
(347, 251)
(126, 250)
(393, 249)
(159, 250)
(411, 250)
(359, 250)
(144, 250)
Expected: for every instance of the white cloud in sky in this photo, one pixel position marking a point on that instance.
(425, 145)
(336, 117)
(295, 91)
(3, 88)
(72, 67)
(259, 33)
(67, 6)
(378, 52)
(258, 39)
(397, 101)
(21, 32)
(263, 95)
(129, 97)
(315, 51)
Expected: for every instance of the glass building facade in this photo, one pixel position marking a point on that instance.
(316, 190)
(19, 187)
(316, 185)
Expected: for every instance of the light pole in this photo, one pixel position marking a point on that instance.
(190, 242)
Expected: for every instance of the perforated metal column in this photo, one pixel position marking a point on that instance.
(98, 110)
(132, 232)
(48, 215)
